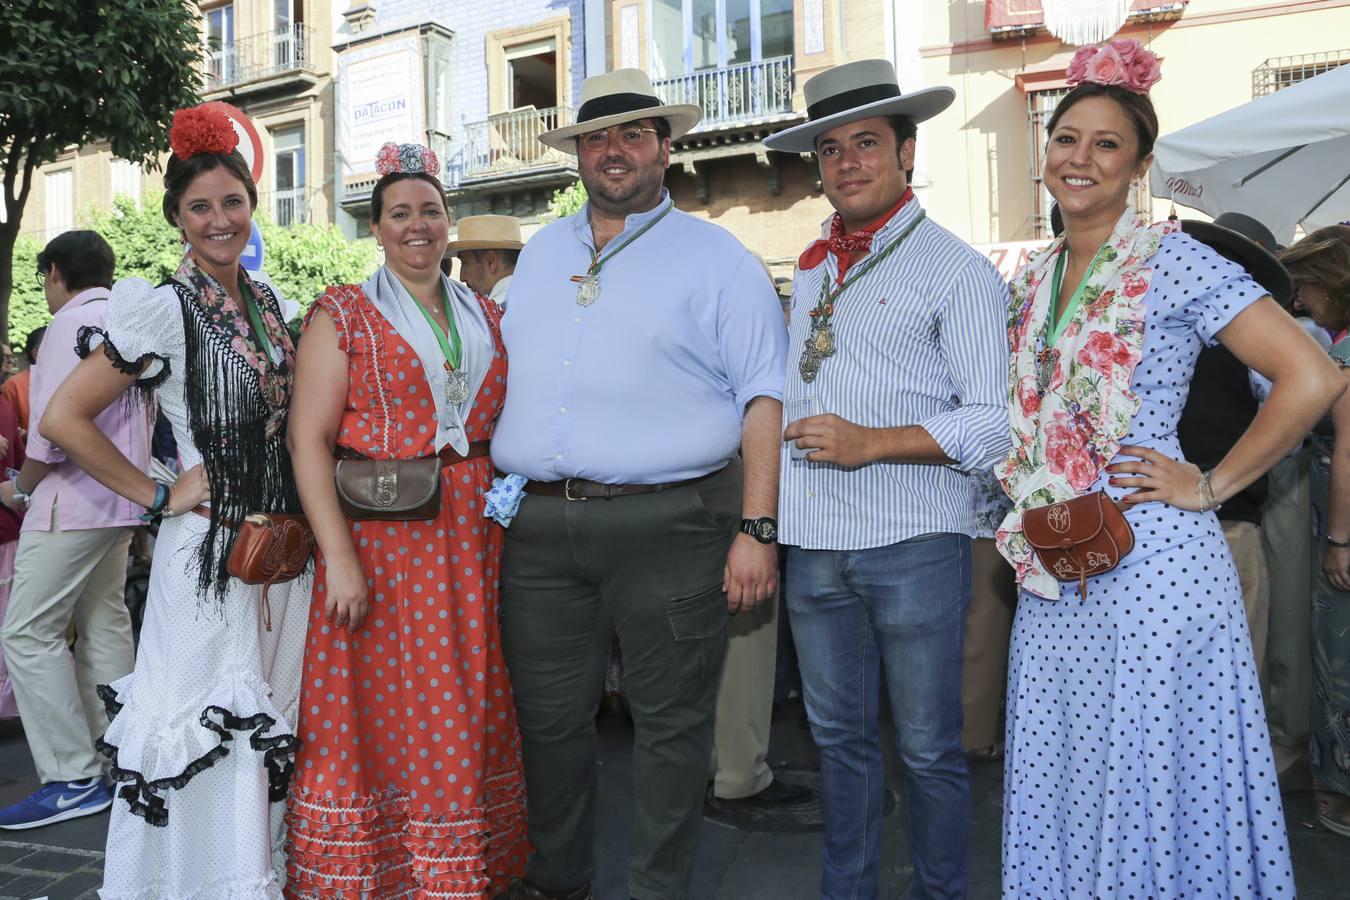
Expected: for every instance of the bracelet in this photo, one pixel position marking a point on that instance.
(161, 501)
(1206, 493)
(1332, 542)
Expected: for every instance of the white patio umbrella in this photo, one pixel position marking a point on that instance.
(1283, 158)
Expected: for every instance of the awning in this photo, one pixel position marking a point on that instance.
(1014, 18)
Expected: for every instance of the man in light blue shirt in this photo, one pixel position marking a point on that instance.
(897, 380)
(646, 349)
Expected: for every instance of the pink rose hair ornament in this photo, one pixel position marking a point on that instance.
(1124, 62)
(406, 159)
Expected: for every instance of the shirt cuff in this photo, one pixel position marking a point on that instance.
(39, 449)
(767, 388)
(949, 430)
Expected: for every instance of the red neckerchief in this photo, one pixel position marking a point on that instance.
(841, 245)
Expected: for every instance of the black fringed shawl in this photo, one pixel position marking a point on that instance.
(228, 415)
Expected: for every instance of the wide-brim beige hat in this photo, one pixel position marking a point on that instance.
(854, 91)
(486, 233)
(617, 97)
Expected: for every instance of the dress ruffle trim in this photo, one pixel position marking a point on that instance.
(150, 756)
(373, 846)
(255, 889)
(84, 345)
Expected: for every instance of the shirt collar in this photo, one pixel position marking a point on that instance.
(898, 222)
(499, 289)
(83, 297)
(582, 220)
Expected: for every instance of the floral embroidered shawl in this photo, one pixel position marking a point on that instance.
(1064, 437)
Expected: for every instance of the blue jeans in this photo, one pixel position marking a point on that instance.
(900, 610)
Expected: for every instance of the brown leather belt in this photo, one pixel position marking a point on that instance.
(585, 489)
(449, 456)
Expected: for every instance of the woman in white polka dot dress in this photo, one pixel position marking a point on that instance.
(1138, 758)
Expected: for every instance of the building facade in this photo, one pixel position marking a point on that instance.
(982, 157)
(272, 60)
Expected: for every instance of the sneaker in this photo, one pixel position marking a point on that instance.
(56, 802)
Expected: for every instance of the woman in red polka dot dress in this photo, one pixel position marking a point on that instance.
(408, 782)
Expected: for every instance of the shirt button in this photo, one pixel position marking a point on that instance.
(577, 320)
(557, 456)
(566, 363)
(562, 409)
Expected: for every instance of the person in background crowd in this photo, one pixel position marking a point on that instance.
(1137, 758)
(15, 389)
(742, 780)
(898, 341)
(9, 363)
(993, 600)
(487, 247)
(646, 347)
(72, 558)
(1320, 265)
(202, 737)
(11, 449)
(407, 366)
(1221, 406)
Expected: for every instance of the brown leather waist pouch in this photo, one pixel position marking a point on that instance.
(1078, 538)
(269, 548)
(395, 490)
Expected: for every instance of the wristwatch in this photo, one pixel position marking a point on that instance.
(764, 529)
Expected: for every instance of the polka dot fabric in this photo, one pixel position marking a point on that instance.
(409, 782)
(1138, 756)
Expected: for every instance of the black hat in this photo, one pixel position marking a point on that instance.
(1248, 243)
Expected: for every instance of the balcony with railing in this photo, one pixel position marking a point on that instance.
(508, 144)
(261, 60)
(287, 207)
(735, 95)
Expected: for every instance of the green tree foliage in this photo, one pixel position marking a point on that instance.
(77, 73)
(301, 260)
(567, 201)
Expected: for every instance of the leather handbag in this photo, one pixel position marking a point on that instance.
(389, 489)
(1077, 538)
(270, 548)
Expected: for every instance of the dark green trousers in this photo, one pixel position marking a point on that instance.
(649, 568)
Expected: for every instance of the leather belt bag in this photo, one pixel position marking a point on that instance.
(1077, 538)
(396, 490)
(585, 489)
(269, 548)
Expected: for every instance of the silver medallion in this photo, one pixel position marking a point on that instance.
(456, 387)
(588, 290)
(809, 364)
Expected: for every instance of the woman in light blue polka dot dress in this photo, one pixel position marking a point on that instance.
(1138, 757)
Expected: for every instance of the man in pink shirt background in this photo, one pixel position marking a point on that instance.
(72, 559)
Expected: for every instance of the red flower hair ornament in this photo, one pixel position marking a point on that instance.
(200, 129)
(1123, 62)
(406, 159)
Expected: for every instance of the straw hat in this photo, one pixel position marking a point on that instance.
(854, 91)
(486, 233)
(617, 97)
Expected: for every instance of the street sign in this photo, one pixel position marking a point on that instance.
(250, 144)
(252, 257)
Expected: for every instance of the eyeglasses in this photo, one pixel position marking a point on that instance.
(630, 136)
(41, 278)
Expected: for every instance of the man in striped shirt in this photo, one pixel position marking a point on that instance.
(897, 381)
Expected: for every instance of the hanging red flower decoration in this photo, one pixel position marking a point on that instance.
(200, 129)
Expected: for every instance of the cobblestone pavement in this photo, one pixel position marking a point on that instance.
(65, 861)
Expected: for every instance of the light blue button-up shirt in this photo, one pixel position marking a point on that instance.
(921, 340)
(650, 383)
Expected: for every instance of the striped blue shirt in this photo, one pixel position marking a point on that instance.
(921, 340)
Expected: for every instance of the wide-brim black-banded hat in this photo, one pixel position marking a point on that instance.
(1250, 244)
(618, 97)
(854, 91)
